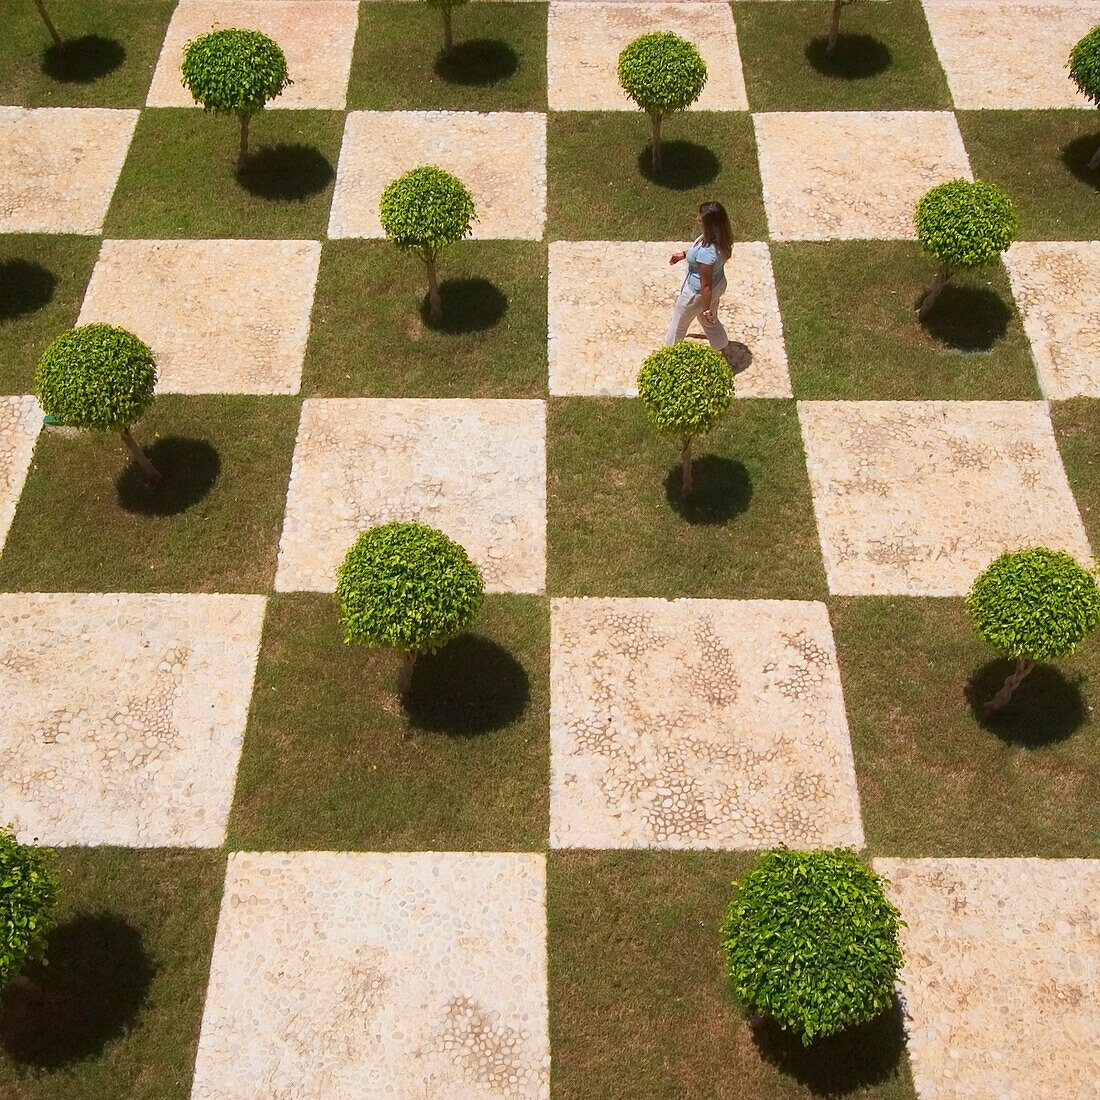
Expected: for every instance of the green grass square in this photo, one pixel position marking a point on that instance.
(851, 330)
(936, 778)
(641, 1006)
(371, 333)
(42, 283)
(332, 760)
(1039, 158)
(87, 522)
(108, 59)
(617, 525)
(1077, 428)
(600, 185)
(123, 989)
(498, 62)
(884, 61)
(180, 179)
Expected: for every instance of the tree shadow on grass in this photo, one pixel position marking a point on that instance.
(478, 62)
(189, 466)
(721, 490)
(83, 60)
(857, 57)
(469, 686)
(24, 287)
(684, 165)
(840, 1064)
(90, 993)
(967, 318)
(286, 173)
(1077, 153)
(1046, 707)
(469, 305)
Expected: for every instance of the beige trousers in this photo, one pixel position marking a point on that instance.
(689, 305)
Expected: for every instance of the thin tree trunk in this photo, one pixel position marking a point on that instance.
(656, 120)
(57, 39)
(242, 156)
(938, 283)
(435, 305)
(26, 987)
(834, 29)
(152, 474)
(405, 673)
(685, 460)
(1094, 163)
(1016, 677)
(448, 39)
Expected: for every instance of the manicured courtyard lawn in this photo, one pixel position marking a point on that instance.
(849, 320)
(87, 522)
(332, 761)
(371, 335)
(1077, 426)
(885, 60)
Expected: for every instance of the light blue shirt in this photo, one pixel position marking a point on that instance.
(700, 253)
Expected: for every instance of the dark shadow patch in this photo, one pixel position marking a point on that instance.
(189, 468)
(286, 173)
(967, 318)
(90, 993)
(1076, 155)
(721, 489)
(469, 686)
(478, 62)
(24, 287)
(857, 57)
(684, 165)
(83, 60)
(469, 305)
(1045, 708)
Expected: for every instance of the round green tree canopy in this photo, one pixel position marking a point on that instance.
(234, 70)
(407, 585)
(96, 376)
(685, 388)
(1084, 65)
(28, 891)
(1034, 603)
(662, 72)
(964, 224)
(811, 939)
(426, 209)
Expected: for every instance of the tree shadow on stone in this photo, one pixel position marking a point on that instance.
(469, 686)
(1045, 708)
(857, 57)
(1076, 155)
(478, 62)
(83, 60)
(90, 993)
(967, 318)
(189, 468)
(469, 305)
(24, 287)
(721, 489)
(859, 1058)
(286, 173)
(684, 165)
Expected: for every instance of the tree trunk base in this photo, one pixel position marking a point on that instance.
(834, 30)
(929, 301)
(58, 41)
(405, 674)
(656, 158)
(686, 481)
(1094, 163)
(1016, 677)
(152, 475)
(435, 305)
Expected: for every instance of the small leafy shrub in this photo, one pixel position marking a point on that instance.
(662, 73)
(234, 72)
(1033, 605)
(812, 940)
(425, 211)
(685, 389)
(1084, 71)
(445, 7)
(28, 893)
(408, 586)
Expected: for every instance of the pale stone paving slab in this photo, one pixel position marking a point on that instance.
(59, 166)
(1002, 975)
(853, 174)
(500, 157)
(915, 498)
(697, 724)
(584, 42)
(349, 975)
(1010, 55)
(225, 316)
(20, 421)
(1057, 287)
(122, 715)
(317, 37)
(610, 303)
(476, 469)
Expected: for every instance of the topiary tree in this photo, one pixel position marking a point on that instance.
(445, 7)
(811, 940)
(408, 586)
(1084, 71)
(98, 377)
(662, 73)
(28, 893)
(1033, 605)
(58, 41)
(962, 224)
(685, 389)
(234, 72)
(425, 211)
(834, 27)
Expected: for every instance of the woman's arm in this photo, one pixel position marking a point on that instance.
(676, 257)
(706, 279)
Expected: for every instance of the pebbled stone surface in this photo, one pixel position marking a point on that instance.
(20, 420)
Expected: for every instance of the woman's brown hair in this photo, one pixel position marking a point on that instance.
(716, 227)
